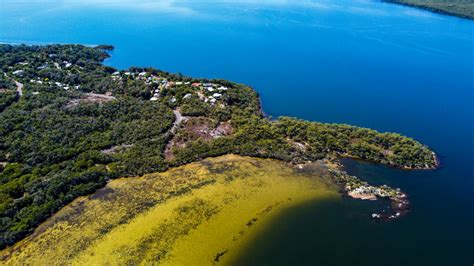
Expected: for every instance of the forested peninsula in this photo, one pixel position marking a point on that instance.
(69, 124)
(459, 8)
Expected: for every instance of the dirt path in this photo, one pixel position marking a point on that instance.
(19, 87)
(178, 120)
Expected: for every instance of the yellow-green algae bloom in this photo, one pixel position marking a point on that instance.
(203, 213)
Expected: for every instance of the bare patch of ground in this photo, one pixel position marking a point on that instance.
(193, 128)
(298, 145)
(117, 149)
(387, 152)
(223, 129)
(91, 98)
(362, 196)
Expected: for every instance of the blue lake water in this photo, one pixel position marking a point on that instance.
(366, 63)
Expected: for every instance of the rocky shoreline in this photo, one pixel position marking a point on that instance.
(358, 189)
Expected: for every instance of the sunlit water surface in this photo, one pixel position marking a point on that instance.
(366, 63)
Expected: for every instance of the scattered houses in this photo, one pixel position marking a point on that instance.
(19, 72)
(43, 66)
(36, 81)
(206, 91)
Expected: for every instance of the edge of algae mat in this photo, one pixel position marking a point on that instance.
(202, 213)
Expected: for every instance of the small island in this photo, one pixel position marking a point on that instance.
(69, 125)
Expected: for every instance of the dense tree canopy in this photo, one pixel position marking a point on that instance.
(79, 123)
(461, 8)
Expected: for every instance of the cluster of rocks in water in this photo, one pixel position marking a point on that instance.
(356, 188)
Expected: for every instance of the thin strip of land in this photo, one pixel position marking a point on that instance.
(459, 8)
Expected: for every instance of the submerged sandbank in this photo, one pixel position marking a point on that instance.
(201, 214)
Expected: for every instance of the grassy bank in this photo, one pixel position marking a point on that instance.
(199, 214)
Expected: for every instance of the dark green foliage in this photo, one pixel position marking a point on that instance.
(388, 148)
(193, 106)
(461, 8)
(7, 98)
(8, 94)
(58, 141)
(54, 147)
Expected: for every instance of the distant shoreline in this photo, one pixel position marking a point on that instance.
(39, 43)
(431, 9)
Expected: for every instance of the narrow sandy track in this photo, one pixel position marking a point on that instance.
(19, 87)
(178, 120)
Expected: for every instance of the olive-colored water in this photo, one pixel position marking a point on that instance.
(198, 214)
